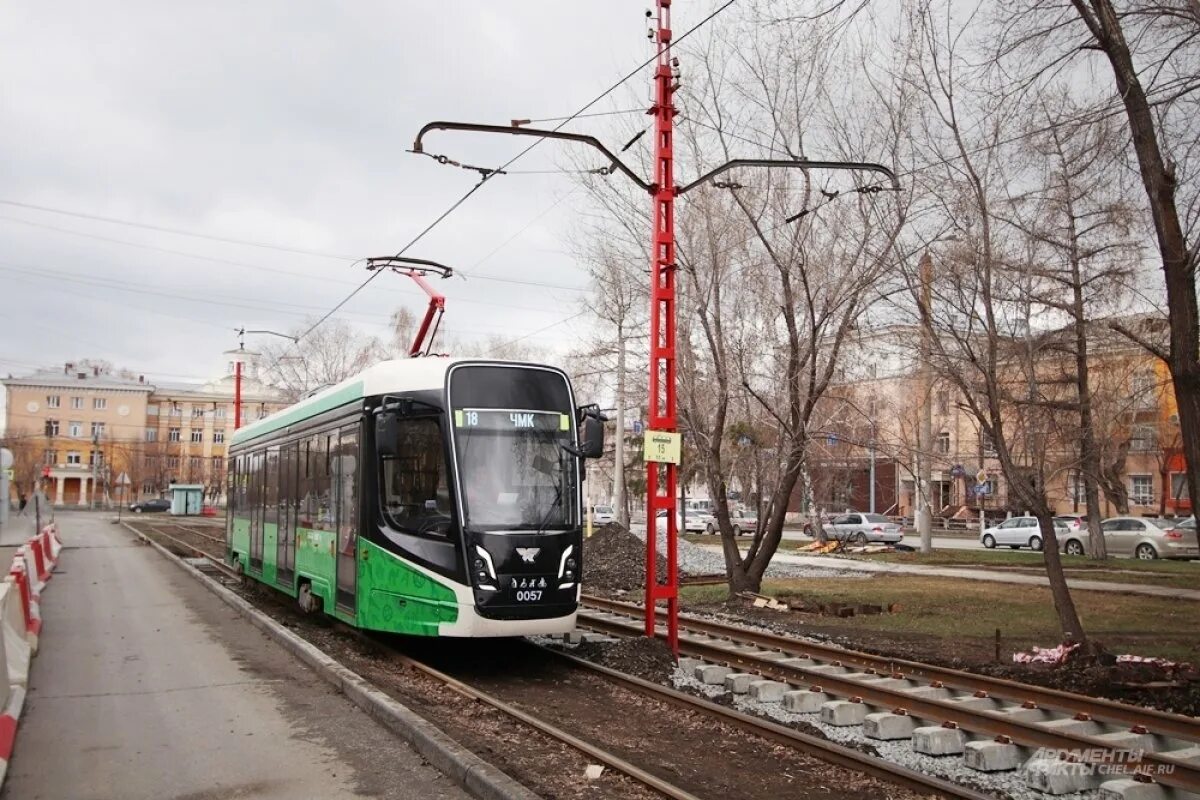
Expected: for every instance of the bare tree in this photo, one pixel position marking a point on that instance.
(329, 354)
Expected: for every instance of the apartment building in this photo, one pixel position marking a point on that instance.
(79, 429)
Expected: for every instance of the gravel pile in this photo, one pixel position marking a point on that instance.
(615, 559)
(696, 560)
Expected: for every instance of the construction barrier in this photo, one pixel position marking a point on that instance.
(20, 628)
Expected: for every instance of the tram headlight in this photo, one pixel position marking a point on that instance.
(571, 564)
(479, 565)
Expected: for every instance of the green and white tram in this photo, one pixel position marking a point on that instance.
(426, 496)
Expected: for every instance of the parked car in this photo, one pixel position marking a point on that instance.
(1141, 537)
(603, 515)
(863, 528)
(147, 506)
(1074, 522)
(742, 520)
(826, 519)
(1020, 532)
(693, 521)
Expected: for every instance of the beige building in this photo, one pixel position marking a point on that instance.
(79, 429)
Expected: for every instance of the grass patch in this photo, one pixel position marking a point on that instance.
(950, 609)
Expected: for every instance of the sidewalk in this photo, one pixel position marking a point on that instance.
(148, 686)
(977, 574)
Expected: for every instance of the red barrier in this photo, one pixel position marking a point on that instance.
(33, 624)
(39, 559)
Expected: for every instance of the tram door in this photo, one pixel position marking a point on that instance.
(289, 499)
(257, 494)
(344, 472)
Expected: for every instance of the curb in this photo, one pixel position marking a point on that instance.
(481, 779)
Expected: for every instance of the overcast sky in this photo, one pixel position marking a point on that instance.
(284, 124)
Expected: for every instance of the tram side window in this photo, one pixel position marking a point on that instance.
(346, 462)
(415, 488)
(318, 499)
(231, 484)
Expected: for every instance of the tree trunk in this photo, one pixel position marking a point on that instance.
(1064, 606)
(619, 444)
(1089, 454)
(1159, 180)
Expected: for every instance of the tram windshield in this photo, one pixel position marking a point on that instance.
(510, 425)
(514, 472)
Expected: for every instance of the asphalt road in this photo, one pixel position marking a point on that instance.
(148, 686)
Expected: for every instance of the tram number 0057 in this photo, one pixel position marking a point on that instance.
(529, 595)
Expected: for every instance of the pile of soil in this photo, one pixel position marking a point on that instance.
(649, 659)
(615, 560)
(1146, 685)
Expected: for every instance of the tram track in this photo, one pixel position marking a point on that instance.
(1013, 714)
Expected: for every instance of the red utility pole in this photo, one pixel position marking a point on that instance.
(661, 479)
(237, 394)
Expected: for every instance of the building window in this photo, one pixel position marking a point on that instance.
(148, 487)
(197, 412)
(97, 429)
(943, 403)
(72, 457)
(1143, 438)
(77, 402)
(172, 462)
(197, 435)
(175, 411)
(52, 427)
(1075, 488)
(151, 411)
(75, 428)
(219, 436)
(195, 464)
(151, 435)
(1143, 389)
(943, 442)
(53, 401)
(220, 413)
(987, 443)
(49, 458)
(1141, 490)
(99, 403)
(172, 434)
(95, 458)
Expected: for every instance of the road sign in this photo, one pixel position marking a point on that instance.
(983, 488)
(637, 427)
(981, 476)
(6, 458)
(123, 480)
(662, 447)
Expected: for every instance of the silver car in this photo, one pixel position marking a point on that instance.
(1142, 538)
(1018, 532)
(863, 528)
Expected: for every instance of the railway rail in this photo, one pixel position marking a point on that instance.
(1015, 714)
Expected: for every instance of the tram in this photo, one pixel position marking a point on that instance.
(424, 496)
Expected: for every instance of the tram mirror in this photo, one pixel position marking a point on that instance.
(387, 434)
(592, 445)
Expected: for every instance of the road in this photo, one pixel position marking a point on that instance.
(148, 686)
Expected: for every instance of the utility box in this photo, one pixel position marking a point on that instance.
(186, 499)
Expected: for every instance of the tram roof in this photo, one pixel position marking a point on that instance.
(397, 375)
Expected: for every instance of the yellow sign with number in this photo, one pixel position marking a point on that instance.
(662, 447)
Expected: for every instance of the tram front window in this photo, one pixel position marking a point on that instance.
(513, 470)
(415, 485)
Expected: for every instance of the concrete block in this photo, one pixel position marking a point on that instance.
(1024, 714)
(1129, 789)
(597, 638)
(767, 691)
(1085, 727)
(828, 669)
(1191, 755)
(804, 701)
(992, 756)
(887, 683)
(1057, 776)
(1128, 740)
(688, 665)
(712, 674)
(930, 693)
(573, 637)
(934, 740)
(796, 662)
(975, 703)
(887, 726)
(739, 682)
(843, 713)
(776, 657)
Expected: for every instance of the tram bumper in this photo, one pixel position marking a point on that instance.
(526, 576)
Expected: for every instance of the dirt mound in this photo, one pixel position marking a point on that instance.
(648, 659)
(1148, 685)
(615, 559)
